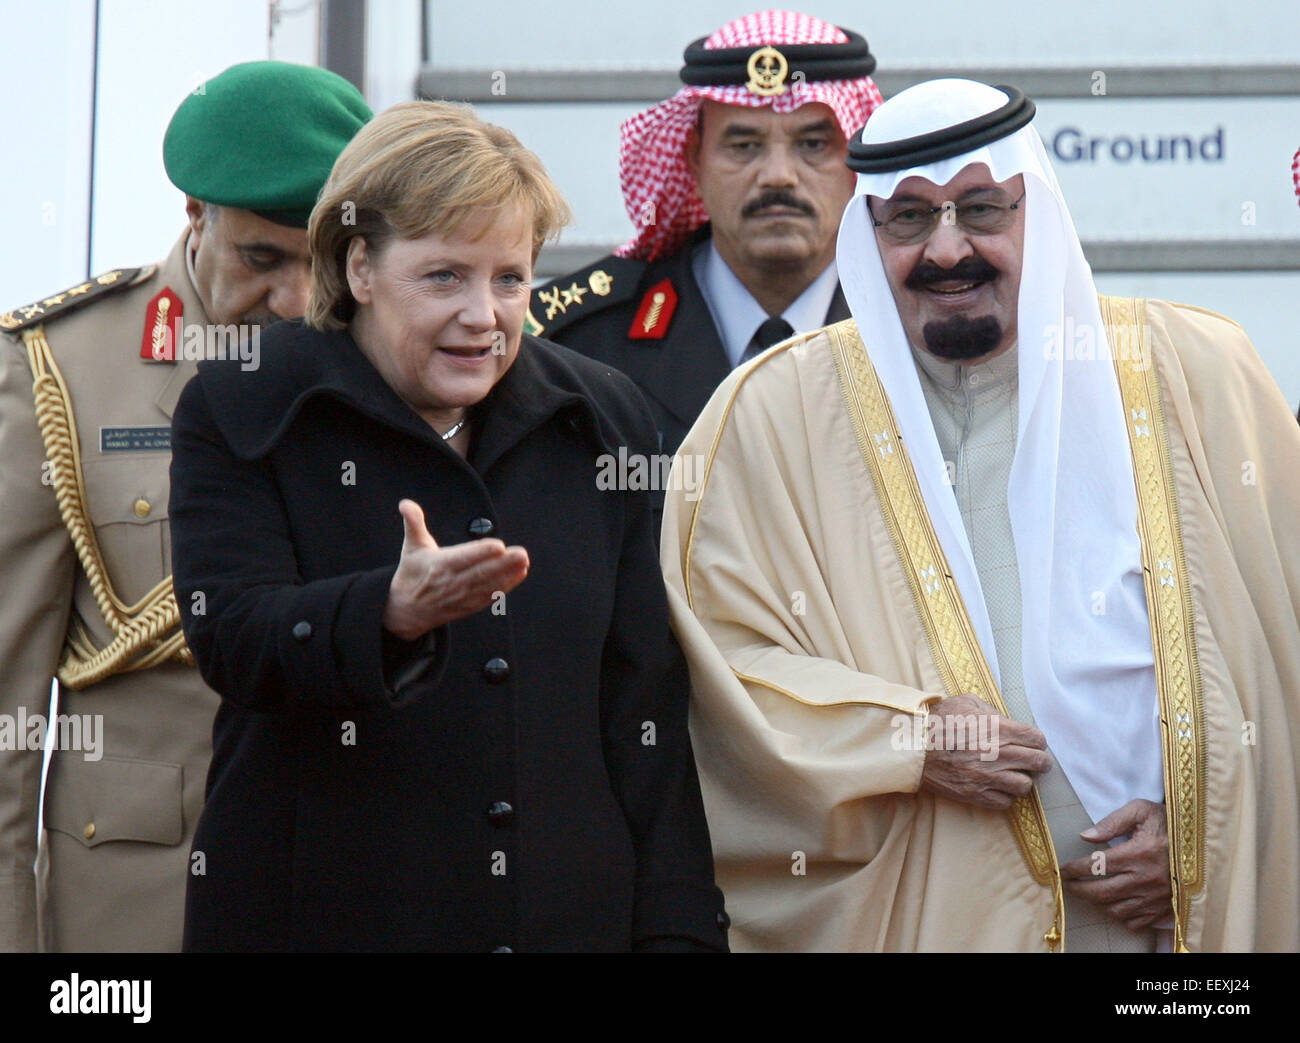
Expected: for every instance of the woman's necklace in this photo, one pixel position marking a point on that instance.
(454, 430)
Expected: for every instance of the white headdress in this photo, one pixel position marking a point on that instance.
(1087, 660)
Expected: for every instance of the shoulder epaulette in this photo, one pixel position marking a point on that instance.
(611, 280)
(69, 300)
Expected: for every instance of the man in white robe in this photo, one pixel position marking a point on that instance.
(990, 593)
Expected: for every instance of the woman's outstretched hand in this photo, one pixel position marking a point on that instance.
(433, 585)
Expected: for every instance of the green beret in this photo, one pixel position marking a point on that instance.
(263, 136)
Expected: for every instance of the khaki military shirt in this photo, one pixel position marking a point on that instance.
(126, 781)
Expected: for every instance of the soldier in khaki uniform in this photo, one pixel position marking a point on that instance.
(88, 381)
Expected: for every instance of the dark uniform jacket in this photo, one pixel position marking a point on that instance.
(678, 363)
(522, 778)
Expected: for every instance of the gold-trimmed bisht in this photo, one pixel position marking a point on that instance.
(1168, 591)
(948, 629)
(1169, 604)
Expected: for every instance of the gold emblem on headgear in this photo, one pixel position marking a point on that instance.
(767, 70)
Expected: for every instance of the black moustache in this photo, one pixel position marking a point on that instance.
(969, 269)
(777, 199)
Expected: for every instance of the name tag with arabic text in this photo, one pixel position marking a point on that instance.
(155, 438)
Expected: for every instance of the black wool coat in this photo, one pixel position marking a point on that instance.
(521, 778)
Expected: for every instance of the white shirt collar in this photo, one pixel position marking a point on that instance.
(736, 313)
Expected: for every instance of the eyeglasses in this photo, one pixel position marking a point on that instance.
(907, 223)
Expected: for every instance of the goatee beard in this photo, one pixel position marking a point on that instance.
(961, 339)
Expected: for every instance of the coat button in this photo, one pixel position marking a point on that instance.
(301, 630)
(142, 508)
(481, 527)
(89, 831)
(496, 669)
(503, 948)
(724, 921)
(500, 813)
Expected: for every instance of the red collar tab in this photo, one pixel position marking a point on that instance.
(654, 313)
(162, 327)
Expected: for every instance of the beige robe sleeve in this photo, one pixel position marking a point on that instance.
(749, 595)
(809, 666)
(37, 567)
(799, 748)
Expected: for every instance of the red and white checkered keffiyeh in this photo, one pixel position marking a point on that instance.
(658, 190)
(1295, 172)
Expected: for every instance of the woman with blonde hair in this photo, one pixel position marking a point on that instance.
(453, 715)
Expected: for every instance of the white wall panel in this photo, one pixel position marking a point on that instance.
(45, 93)
(1027, 32)
(152, 53)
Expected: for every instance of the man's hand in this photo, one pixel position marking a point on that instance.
(992, 777)
(1135, 887)
(433, 586)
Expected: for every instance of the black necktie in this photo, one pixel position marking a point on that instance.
(772, 331)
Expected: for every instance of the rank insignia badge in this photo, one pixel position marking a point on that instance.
(162, 327)
(654, 313)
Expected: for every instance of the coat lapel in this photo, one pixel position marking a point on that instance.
(299, 364)
(523, 400)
